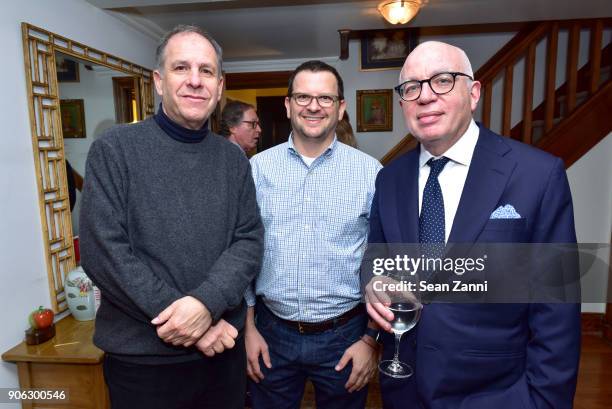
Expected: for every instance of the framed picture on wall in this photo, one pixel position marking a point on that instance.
(374, 110)
(73, 118)
(386, 49)
(67, 69)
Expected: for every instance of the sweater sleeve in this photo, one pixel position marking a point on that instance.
(226, 282)
(106, 253)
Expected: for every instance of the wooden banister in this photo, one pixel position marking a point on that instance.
(507, 107)
(560, 103)
(511, 51)
(406, 144)
(528, 96)
(559, 95)
(551, 71)
(523, 47)
(595, 55)
(572, 67)
(582, 129)
(487, 91)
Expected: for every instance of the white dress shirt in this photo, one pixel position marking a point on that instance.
(453, 176)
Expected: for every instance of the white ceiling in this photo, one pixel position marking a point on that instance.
(281, 29)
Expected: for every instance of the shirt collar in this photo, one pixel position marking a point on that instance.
(327, 152)
(461, 152)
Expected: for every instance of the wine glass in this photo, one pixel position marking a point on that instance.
(406, 311)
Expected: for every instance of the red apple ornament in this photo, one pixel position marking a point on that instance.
(41, 318)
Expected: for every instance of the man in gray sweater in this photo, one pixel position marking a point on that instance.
(171, 234)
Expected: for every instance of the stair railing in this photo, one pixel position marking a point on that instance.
(523, 46)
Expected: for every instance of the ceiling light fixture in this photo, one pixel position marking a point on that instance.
(400, 11)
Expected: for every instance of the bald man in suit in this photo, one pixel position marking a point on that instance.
(493, 190)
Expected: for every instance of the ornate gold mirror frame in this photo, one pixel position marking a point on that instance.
(45, 122)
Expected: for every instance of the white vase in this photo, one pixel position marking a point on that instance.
(80, 295)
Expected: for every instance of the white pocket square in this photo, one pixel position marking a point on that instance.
(505, 212)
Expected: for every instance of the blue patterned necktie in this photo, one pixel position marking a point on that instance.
(431, 220)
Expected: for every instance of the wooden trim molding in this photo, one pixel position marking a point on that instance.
(406, 144)
(39, 47)
(346, 34)
(253, 80)
(607, 320)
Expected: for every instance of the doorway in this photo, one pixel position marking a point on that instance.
(275, 124)
(266, 91)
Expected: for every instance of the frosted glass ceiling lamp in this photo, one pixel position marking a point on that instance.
(400, 11)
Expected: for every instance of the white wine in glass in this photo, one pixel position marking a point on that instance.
(405, 317)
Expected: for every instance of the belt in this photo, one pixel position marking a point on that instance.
(318, 327)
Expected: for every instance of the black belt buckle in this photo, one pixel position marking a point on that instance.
(300, 328)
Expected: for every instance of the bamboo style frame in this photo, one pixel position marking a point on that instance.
(39, 48)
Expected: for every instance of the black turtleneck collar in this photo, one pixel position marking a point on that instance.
(177, 132)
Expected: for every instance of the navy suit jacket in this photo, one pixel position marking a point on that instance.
(486, 356)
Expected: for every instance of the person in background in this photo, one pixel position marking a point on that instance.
(240, 125)
(75, 182)
(344, 131)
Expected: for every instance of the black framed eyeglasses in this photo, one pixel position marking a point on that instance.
(440, 84)
(325, 101)
(254, 124)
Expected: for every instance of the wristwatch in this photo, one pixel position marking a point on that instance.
(373, 333)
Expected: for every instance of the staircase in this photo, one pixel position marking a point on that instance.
(562, 106)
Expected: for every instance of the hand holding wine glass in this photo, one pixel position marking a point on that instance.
(405, 308)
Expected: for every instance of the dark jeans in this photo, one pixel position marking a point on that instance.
(215, 383)
(296, 357)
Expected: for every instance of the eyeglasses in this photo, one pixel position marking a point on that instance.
(254, 124)
(440, 84)
(325, 101)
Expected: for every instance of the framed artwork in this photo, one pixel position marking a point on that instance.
(374, 110)
(73, 118)
(66, 68)
(386, 49)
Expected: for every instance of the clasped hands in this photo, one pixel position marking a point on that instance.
(188, 322)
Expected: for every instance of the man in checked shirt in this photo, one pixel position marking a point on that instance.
(305, 318)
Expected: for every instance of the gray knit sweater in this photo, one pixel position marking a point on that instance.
(161, 219)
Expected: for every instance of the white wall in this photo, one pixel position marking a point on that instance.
(590, 180)
(23, 270)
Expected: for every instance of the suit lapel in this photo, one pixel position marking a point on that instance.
(408, 198)
(487, 178)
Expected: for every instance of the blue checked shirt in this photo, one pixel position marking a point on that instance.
(316, 226)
